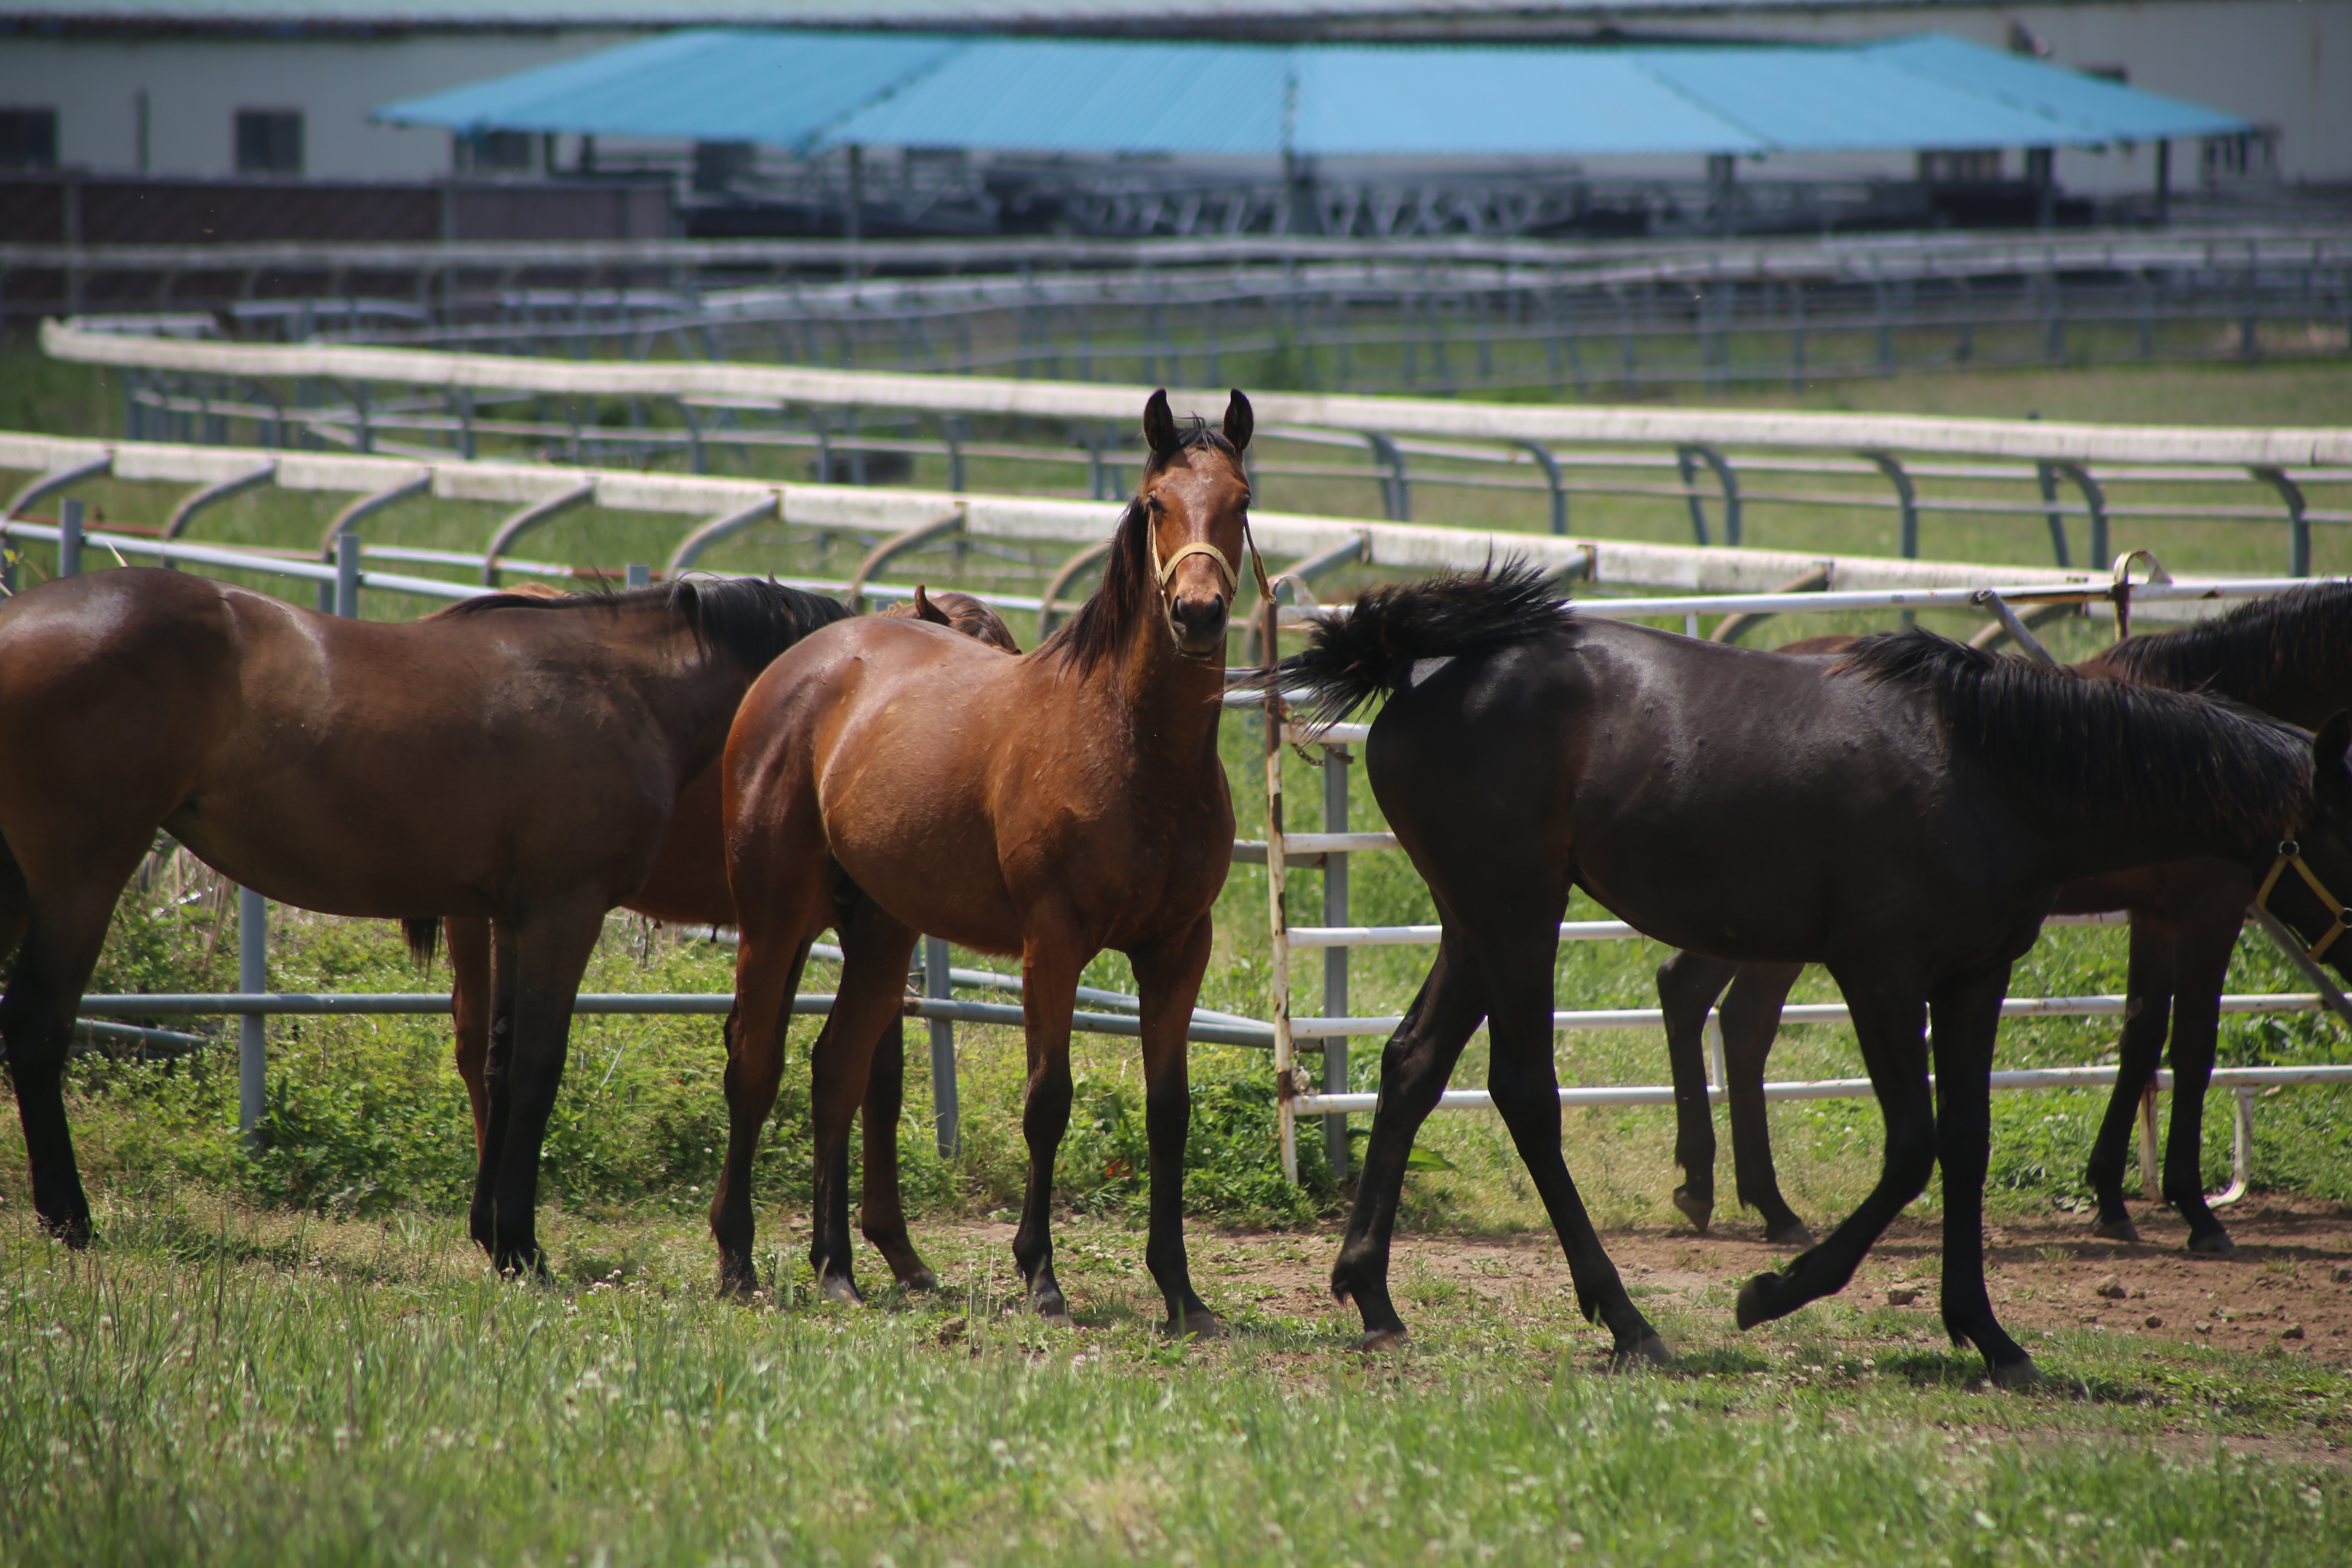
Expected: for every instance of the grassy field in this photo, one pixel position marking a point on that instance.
(287, 1353)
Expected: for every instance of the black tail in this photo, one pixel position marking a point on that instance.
(424, 934)
(1456, 615)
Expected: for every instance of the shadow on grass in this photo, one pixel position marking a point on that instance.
(1718, 1363)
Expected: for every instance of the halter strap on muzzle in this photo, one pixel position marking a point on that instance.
(1162, 571)
(2291, 854)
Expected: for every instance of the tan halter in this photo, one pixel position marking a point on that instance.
(1162, 571)
(2291, 854)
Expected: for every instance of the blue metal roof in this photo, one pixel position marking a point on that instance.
(809, 91)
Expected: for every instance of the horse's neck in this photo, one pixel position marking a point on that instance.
(1168, 705)
(2107, 836)
(2298, 694)
(691, 690)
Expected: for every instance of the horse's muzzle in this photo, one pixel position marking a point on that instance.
(1198, 625)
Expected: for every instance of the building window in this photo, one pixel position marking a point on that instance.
(1973, 166)
(29, 137)
(268, 140)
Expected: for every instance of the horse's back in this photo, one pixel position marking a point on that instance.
(1664, 774)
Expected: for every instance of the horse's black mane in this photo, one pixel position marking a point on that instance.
(1099, 629)
(748, 619)
(2305, 635)
(2087, 743)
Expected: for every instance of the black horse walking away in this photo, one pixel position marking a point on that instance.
(1902, 814)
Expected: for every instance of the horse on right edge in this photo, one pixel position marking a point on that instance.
(2289, 657)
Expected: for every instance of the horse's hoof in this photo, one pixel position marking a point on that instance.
(737, 1282)
(1647, 1351)
(840, 1287)
(2213, 1243)
(2120, 1228)
(74, 1234)
(1796, 1234)
(920, 1278)
(1697, 1210)
(1202, 1324)
(1050, 1307)
(2016, 1376)
(1377, 1340)
(1755, 1304)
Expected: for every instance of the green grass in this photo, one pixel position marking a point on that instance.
(211, 1386)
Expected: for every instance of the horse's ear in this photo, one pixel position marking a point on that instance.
(1159, 425)
(927, 611)
(2331, 770)
(1239, 421)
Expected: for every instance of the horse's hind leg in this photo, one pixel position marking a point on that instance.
(1967, 1016)
(552, 948)
(1415, 1066)
(1688, 984)
(59, 948)
(1751, 1018)
(1525, 1088)
(2148, 989)
(882, 1216)
(1889, 1023)
(875, 950)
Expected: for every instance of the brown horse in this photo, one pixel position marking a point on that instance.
(687, 886)
(889, 779)
(517, 759)
(2290, 657)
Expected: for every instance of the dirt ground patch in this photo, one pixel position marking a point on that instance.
(2045, 1275)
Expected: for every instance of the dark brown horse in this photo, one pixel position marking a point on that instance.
(687, 886)
(888, 778)
(1903, 814)
(515, 760)
(2290, 657)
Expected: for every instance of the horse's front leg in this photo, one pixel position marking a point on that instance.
(1168, 979)
(1049, 993)
(1967, 1016)
(1889, 1015)
(467, 937)
(1526, 1086)
(2201, 950)
(497, 1005)
(1688, 984)
(1415, 1066)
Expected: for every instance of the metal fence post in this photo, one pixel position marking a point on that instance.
(1335, 958)
(69, 537)
(938, 986)
(252, 978)
(347, 575)
(2298, 525)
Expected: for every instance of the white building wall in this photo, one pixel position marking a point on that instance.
(196, 86)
